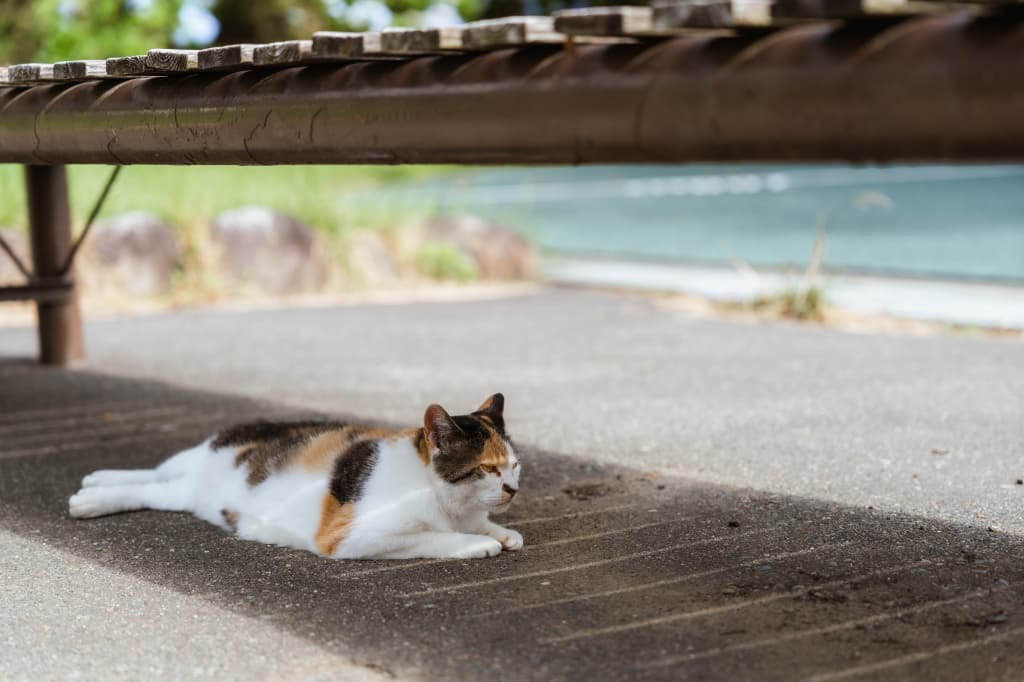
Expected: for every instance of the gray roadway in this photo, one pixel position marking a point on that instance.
(821, 501)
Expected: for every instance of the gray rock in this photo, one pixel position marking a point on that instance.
(18, 241)
(270, 250)
(499, 253)
(370, 261)
(136, 252)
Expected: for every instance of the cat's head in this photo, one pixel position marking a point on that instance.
(473, 455)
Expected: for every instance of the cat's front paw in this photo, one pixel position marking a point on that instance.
(480, 548)
(510, 540)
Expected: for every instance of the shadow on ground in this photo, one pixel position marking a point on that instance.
(625, 575)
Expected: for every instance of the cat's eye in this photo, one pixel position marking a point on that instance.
(488, 469)
(515, 465)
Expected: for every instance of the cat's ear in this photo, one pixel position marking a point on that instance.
(493, 408)
(438, 427)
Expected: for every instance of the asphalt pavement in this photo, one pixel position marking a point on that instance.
(704, 499)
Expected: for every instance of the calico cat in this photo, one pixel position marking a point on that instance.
(342, 491)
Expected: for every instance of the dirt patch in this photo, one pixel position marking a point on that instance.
(586, 491)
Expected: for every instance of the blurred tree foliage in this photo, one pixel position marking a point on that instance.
(52, 30)
(245, 21)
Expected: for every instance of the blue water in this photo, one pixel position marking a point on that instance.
(947, 221)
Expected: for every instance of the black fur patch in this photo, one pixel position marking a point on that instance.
(352, 469)
(268, 446)
(458, 461)
(263, 430)
(230, 518)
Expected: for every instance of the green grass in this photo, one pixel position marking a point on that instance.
(442, 261)
(189, 194)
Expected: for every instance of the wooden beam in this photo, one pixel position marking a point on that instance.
(55, 292)
(49, 217)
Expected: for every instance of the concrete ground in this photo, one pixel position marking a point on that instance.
(703, 500)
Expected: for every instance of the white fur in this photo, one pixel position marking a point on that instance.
(406, 510)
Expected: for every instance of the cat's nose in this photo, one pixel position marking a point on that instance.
(509, 489)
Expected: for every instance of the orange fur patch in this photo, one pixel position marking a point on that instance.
(495, 453)
(322, 450)
(335, 521)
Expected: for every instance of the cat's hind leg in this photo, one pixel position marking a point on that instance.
(175, 466)
(99, 500)
(111, 477)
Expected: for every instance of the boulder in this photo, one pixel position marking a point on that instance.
(499, 253)
(136, 252)
(18, 241)
(272, 251)
(371, 262)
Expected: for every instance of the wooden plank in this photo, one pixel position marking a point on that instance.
(80, 70)
(334, 45)
(172, 61)
(410, 41)
(491, 34)
(344, 45)
(123, 67)
(38, 292)
(709, 14)
(852, 9)
(225, 57)
(287, 53)
(30, 73)
(605, 21)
